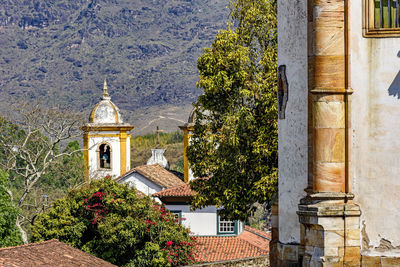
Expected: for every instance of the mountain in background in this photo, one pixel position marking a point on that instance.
(58, 52)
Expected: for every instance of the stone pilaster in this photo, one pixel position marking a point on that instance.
(273, 245)
(328, 87)
(330, 230)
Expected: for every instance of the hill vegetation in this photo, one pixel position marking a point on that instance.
(60, 51)
(171, 142)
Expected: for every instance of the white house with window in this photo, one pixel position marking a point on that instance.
(201, 222)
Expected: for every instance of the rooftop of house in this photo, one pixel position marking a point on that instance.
(250, 243)
(48, 253)
(182, 190)
(156, 174)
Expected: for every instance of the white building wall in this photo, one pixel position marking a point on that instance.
(128, 153)
(375, 112)
(94, 171)
(292, 52)
(200, 222)
(142, 184)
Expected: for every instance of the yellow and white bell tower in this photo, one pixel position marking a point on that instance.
(106, 140)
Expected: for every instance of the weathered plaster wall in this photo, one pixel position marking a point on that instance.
(292, 52)
(375, 112)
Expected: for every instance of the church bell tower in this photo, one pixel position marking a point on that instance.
(106, 140)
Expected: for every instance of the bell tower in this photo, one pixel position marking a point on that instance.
(106, 140)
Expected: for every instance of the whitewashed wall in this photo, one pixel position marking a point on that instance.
(128, 153)
(141, 183)
(292, 52)
(94, 171)
(375, 111)
(200, 221)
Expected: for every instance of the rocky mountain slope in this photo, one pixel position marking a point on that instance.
(60, 51)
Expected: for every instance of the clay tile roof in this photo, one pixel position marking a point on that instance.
(222, 248)
(156, 174)
(48, 253)
(264, 234)
(182, 190)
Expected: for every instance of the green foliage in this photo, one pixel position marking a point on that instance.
(171, 142)
(9, 234)
(39, 173)
(111, 221)
(259, 219)
(67, 172)
(235, 136)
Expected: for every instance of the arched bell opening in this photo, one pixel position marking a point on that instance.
(104, 155)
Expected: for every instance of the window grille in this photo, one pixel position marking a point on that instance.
(226, 226)
(386, 13)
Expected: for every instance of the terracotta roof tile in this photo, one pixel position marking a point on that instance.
(48, 253)
(182, 190)
(264, 234)
(156, 174)
(221, 248)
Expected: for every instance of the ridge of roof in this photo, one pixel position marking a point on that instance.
(260, 233)
(155, 173)
(182, 190)
(30, 244)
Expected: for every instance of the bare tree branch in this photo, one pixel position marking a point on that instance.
(35, 145)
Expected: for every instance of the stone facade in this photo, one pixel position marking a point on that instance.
(338, 145)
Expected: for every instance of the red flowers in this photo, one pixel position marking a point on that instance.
(96, 204)
(169, 243)
(150, 222)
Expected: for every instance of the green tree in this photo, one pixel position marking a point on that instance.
(9, 234)
(111, 221)
(234, 141)
(29, 147)
(66, 172)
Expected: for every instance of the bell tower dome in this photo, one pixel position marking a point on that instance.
(106, 140)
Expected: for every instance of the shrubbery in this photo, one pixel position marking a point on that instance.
(112, 222)
(9, 234)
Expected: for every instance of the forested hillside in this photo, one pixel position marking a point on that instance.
(59, 52)
(171, 142)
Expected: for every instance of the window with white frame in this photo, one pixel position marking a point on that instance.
(226, 226)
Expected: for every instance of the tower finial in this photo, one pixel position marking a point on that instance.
(105, 90)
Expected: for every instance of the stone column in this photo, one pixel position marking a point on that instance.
(327, 84)
(330, 233)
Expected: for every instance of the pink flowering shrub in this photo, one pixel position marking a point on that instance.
(111, 221)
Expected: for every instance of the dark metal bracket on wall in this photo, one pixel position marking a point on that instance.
(283, 91)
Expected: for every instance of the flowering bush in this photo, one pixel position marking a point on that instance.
(110, 221)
